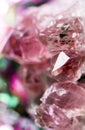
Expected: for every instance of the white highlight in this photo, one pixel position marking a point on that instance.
(3, 7)
(3, 42)
(61, 60)
(61, 91)
(14, 1)
(6, 127)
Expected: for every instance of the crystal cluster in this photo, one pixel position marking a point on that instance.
(63, 106)
(51, 50)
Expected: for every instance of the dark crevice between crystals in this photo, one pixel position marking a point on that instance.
(63, 35)
(82, 79)
(28, 4)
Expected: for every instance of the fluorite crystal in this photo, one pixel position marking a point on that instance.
(36, 79)
(51, 50)
(71, 70)
(22, 46)
(63, 104)
(30, 46)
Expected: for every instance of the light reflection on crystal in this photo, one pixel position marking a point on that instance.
(36, 42)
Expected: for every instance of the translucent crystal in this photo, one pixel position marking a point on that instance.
(35, 79)
(29, 45)
(71, 70)
(51, 47)
(62, 105)
(23, 45)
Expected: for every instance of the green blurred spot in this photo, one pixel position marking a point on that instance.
(4, 98)
(14, 101)
(1, 56)
(3, 84)
(11, 101)
(3, 64)
(40, 128)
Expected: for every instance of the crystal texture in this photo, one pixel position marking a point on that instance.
(63, 105)
(50, 46)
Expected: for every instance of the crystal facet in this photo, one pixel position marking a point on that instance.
(62, 104)
(51, 47)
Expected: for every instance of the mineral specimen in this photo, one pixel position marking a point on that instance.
(51, 47)
(63, 104)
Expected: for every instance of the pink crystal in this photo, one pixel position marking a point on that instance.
(36, 79)
(63, 34)
(23, 48)
(30, 45)
(37, 42)
(61, 104)
(71, 70)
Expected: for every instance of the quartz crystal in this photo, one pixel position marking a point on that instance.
(39, 39)
(63, 105)
(50, 45)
